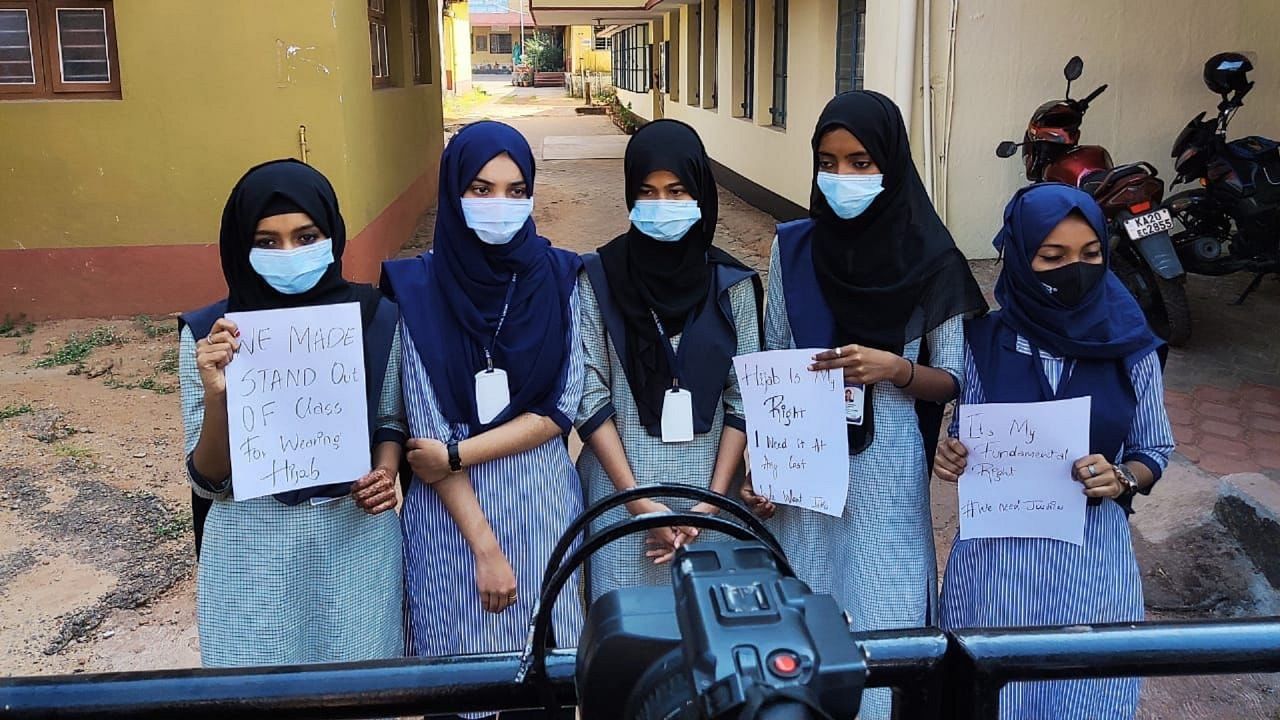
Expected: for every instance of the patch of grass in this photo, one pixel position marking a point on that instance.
(152, 329)
(172, 525)
(168, 362)
(458, 105)
(14, 410)
(12, 327)
(71, 450)
(77, 347)
(24, 346)
(147, 383)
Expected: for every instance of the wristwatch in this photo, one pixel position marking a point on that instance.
(455, 460)
(1127, 478)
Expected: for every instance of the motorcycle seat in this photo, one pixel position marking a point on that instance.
(1099, 180)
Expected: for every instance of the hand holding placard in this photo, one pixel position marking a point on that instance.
(1018, 481)
(297, 411)
(796, 438)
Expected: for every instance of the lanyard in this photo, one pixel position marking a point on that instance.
(672, 362)
(1045, 387)
(506, 305)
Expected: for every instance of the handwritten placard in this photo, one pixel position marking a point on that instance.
(296, 407)
(796, 437)
(1018, 481)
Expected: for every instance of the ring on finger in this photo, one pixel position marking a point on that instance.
(839, 351)
(1093, 472)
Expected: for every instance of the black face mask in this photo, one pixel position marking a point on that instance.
(1070, 283)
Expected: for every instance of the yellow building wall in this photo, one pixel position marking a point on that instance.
(456, 47)
(392, 135)
(486, 58)
(582, 52)
(156, 166)
(152, 171)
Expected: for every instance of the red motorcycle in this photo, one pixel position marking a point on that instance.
(1142, 253)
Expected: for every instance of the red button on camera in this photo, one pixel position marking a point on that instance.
(785, 664)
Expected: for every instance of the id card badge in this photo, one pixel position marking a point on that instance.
(677, 416)
(855, 400)
(493, 395)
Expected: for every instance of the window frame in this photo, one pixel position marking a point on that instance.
(420, 41)
(603, 43)
(781, 52)
(46, 53)
(749, 32)
(852, 37)
(481, 43)
(631, 59)
(494, 47)
(378, 19)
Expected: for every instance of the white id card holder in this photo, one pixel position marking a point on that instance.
(677, 416)
(493, 395)
(855, 400)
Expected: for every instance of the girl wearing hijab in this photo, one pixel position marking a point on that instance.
(875, 276)
(663, 314)
(492, 378)
(1066, 328)
(312, 575)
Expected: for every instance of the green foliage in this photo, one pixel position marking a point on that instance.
(152, 329)
(542, 55)
(12, 327)
(77, 347)
(14, 410)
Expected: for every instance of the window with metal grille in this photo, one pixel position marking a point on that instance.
(379, 51)
(500, 43)
(631, 59)
(781, 27)
(749, 58)
(51, 49)
(851, 33)
(604, 43)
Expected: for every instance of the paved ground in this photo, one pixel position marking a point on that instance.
(1223, 388)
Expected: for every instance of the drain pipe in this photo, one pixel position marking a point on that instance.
(927, 102)
(944, 165)
(906, 77)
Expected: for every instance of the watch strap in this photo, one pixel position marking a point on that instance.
(455, 460)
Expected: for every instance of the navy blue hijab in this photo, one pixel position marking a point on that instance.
(451, 298)
(1106, 325)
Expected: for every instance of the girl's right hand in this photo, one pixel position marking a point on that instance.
(951, 460)
(495, 580)
(661, 541)
(214, 352)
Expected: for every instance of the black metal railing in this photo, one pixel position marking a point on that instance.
(934, 675)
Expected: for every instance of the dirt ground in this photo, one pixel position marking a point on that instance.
(96, 561)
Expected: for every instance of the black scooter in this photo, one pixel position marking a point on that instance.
(1231, 223)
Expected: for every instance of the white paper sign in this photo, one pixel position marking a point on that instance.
(296, 405)
(796, 437)
(1018, 481)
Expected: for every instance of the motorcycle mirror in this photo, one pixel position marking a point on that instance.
(1074, 68)
(1006, 149)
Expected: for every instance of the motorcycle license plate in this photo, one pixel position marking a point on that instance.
(1148, 224)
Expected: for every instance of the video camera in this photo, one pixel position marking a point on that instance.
(736, 636)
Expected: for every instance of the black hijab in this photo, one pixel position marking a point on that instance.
(273, 188)
(671, 278)
(892, 274)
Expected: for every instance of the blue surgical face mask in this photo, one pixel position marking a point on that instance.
(850, 195)
(295, 271)
(496, 220)
(665, 220)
